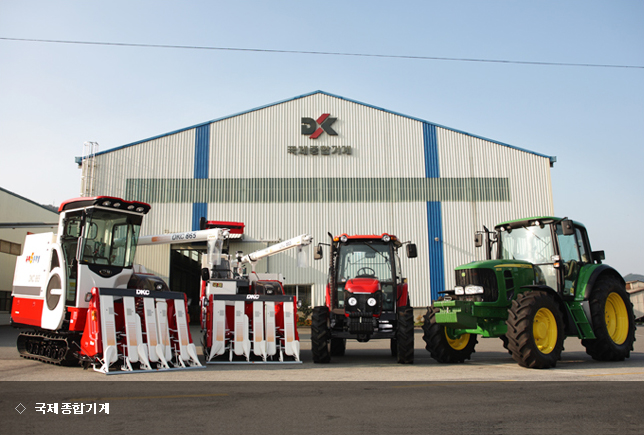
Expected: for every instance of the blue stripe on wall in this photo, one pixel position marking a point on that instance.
(202, 151)
(434, 216)
(199, 209)
(431, 151)
(436, 257)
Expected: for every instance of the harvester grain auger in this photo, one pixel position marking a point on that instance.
(247, 319)
(77, 293)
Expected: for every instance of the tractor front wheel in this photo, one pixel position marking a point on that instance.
(405, 336)
(443, 344)
(320, 335)
(613, 321)
(535, 330)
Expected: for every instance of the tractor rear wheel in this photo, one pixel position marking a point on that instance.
(613, 321)
(504, 339)
(443, 344)
(320, 335)
(405, 336)
(535, 330)
(338, 346)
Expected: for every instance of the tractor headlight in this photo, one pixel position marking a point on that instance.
(386, 238)
(352, 301)
(343, 239)
(459, 290)
(473, 290)
(107, 203)
(371, 302)
(140, 209)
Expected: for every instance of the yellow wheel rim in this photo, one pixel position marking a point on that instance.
(457, 343)
(616, 318)
(544, 330)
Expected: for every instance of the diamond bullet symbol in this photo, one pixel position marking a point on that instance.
(20, 408)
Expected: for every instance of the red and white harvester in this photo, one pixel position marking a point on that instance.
(79, 296)
(242, 309)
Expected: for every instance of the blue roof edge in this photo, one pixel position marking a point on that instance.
(552, 159)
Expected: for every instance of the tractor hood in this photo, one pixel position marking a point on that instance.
(491, 280)
(496, 264)
(362, 285)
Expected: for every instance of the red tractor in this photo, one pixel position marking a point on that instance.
(366, 297)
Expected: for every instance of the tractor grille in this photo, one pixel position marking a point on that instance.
(359, 324)
(483, 277)
(362, 316)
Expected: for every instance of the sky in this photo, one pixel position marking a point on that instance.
(55, 96)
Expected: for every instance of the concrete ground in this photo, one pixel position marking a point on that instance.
(363, 362)
(364, 392)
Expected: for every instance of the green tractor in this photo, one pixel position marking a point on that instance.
(546, 284)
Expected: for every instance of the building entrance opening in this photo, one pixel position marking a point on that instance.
(185, 276)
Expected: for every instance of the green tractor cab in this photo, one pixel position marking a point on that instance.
(544, 285)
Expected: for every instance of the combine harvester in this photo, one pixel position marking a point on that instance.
(238, 310)
(79, 295)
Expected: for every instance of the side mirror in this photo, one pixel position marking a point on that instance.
(88, 296)
(478, 240)
(598, 256)
(412, 252)
(205, 274)
(567, 228)
(317, 252)
(202, 223)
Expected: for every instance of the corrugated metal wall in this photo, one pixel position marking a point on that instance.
(471, 182)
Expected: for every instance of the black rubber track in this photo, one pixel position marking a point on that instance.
(48, 347)
(520, 335)
(405, 336)
(320, 335)
(438, 346)
(603, 348)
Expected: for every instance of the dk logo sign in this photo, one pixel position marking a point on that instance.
(310, 126)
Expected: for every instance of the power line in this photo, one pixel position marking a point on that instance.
(323, 53)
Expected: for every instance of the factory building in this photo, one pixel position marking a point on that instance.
(319, 164)
(19, 216)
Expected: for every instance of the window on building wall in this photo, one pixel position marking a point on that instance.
(5, 301)
(10, 247)
(301, 293)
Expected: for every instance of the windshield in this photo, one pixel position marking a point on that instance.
(110, 238)
(364, 260)
(532, 244)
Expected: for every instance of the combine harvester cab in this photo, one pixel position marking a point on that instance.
(247, 319)
(90, 263)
